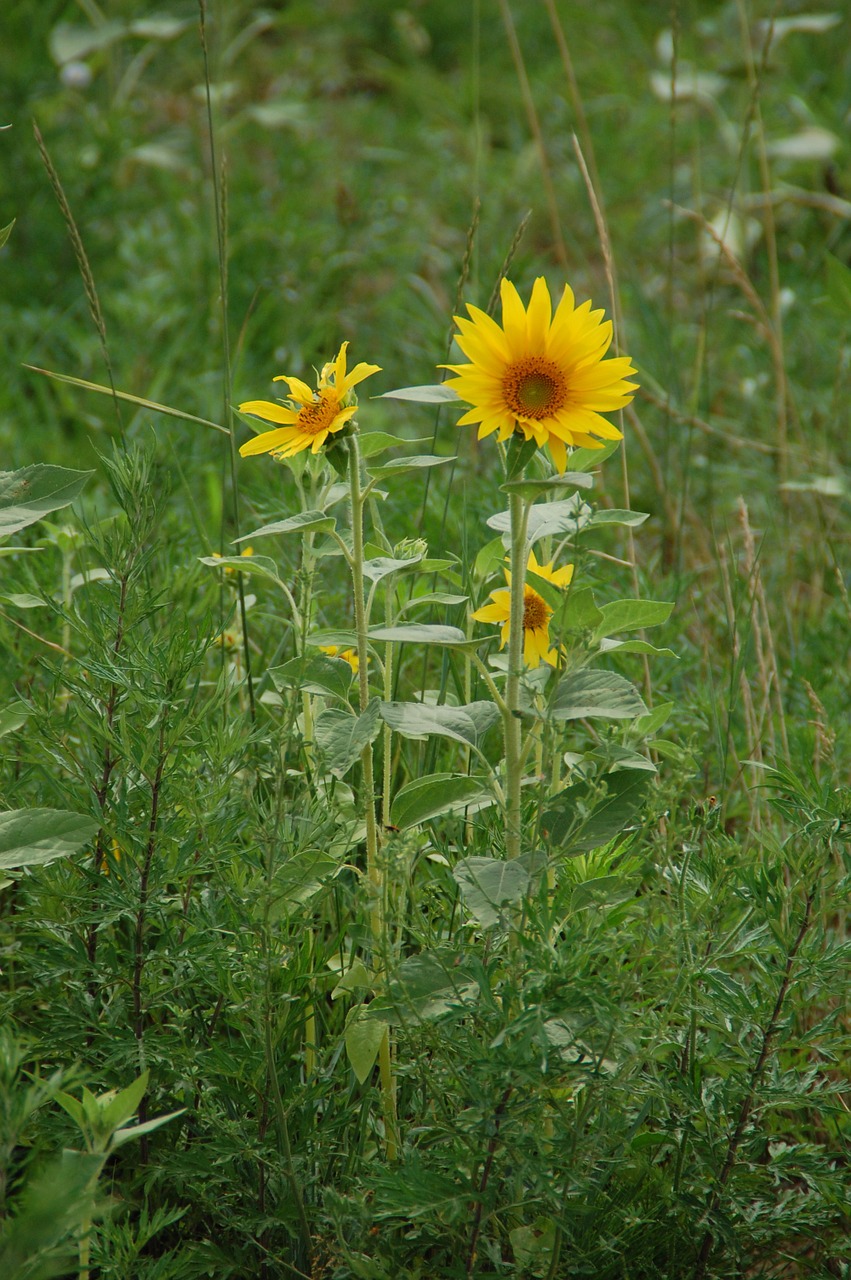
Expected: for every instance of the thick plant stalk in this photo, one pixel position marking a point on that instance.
(375, 877)
(519, 511)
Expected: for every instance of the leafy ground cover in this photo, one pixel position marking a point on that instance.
(569, 998)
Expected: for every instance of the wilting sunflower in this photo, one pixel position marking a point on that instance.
(536, 612)
(310, 416)
(541, 374)
(347, 655)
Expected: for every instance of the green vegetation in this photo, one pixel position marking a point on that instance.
(333, 943)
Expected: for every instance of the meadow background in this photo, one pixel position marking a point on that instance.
(650, 1082)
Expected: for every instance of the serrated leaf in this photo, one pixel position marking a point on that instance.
(35, 837)
(32, 492)
(343, 736)
(302, 522)
(547, 518)
(436, 794)
(314, 673)
(434, 393)
(579, 611)
(467, 724)
(584, 694)
(632, 615)
(585, 816)
(363, 1040)
(488, 885)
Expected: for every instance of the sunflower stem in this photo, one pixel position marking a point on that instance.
(519, 512)
(374, 874)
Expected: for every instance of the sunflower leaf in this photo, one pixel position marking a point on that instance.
(35, 837)
(425, 633)
(488, 885)
(343, 736)
(584, 694)
(631, 615)
(32, 492)
(467, 724)
(302, 522)
(314, 673)
(435, 393)
(519, 452)
(438, 793)
(416, 462)
(588, 815)
(534, 488)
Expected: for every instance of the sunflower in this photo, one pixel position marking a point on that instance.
(347, 655)
(536, 612)
(310, 416)
(541, 374)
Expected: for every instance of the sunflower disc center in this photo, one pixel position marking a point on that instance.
(534, 387)
(318, 416)
(536, 611)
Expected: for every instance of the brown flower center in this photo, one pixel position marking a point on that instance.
(318, 416)
(536, 611)
(534, 387)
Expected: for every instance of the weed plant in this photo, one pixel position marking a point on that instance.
(365, 913)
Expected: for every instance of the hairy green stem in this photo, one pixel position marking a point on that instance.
(519, 512)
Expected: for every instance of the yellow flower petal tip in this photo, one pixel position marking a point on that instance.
(541, 373)
(310, 417)
(536, 612)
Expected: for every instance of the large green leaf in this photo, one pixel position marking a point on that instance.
(363, 1040)
(586, 816)
(298, 879)
(260, 566)
(549, 484)
(488, 885)
(33, 492)
(343, 736)
(314, 673)
(632, 615)
(435, 393)
(415, 462)
(466, 724)
(425, 986)
(302, 522)
(424, 633)
(436, 794)
(381, 566)
(34, 837)
(545, 518)
(584, 694)
(610, 515)
(12, 717)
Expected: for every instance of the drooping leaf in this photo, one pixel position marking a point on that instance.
(314, 673)
(298, 879)
(424, 633)
(586, 816)
(466, 724)
(33, 492)
(35, 837)
(12, 717)
(585, 694)
(343, 736)
(374, 442)
(632, 615)
(381, 566)
(425, 986)
(435, 393)
(302, 522)
(363, 1040)
(260, 566)
(436, 794)
(529, 488)
(413, 463)
(610, 515)
(489, 885)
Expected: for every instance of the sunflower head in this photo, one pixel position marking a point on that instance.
(536, 612)
(540, 373)
(307, 418)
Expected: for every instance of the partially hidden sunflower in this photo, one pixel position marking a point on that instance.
(307, 420)
(536, 612)
(541, 374)
(347, 655)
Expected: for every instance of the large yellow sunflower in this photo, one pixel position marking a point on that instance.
(541, 374)
(311, 416)
(536, 612)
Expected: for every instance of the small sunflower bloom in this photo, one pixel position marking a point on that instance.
(536, 612)
(347, 655)
(307, 419)
(541, 373)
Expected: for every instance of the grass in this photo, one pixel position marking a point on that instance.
(623, 1054)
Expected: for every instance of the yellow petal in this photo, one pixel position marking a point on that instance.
(266, 409)
(298, 390)
(513, 318)
(538, 316)
(266, 442)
